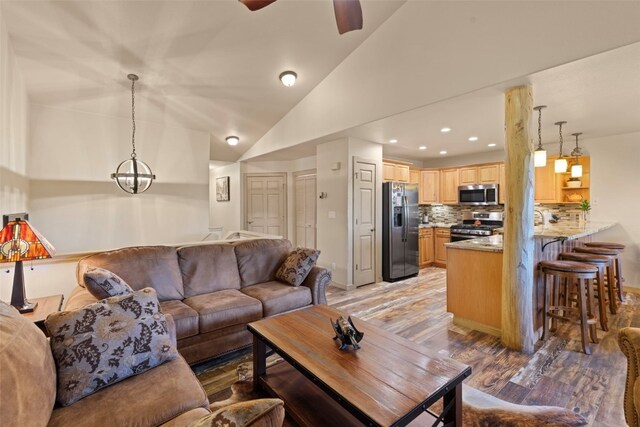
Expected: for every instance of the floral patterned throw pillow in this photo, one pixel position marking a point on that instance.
(103, 283)
(106, 342)
(297, 266)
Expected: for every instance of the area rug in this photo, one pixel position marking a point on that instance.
(219, 375)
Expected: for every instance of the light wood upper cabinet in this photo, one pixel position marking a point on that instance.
(489, 174)
(468, 175)
(414, 176)
(402, 173)
(502, 183)
(429, 187)
(545, 183)
(483, 174)
(388, 172)
(395, 172)
(449, 186)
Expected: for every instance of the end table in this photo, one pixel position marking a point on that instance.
(46, 306)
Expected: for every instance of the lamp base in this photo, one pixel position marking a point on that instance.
(28, 307)
(18, 296)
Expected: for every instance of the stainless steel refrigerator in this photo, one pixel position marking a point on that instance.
(400, 222)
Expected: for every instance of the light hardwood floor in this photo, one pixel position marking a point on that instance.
(558, 373)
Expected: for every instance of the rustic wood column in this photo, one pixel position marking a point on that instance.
(517, 265)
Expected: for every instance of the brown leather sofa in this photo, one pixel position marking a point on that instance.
(168, 395)
(212, 291)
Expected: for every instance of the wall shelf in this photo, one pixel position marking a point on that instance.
(575, 188)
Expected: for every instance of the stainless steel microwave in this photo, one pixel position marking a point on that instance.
(478, 195)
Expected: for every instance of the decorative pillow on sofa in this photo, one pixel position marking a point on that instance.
(297, 266)
(103, 283)
(106, 342)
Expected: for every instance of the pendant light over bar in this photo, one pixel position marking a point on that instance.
(576, 169)
(561, 164)
(540, 155)
(133, 175)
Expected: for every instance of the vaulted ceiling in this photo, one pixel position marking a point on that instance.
(205, 65)
(415, 67)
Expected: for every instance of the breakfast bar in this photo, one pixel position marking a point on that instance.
(474, 272)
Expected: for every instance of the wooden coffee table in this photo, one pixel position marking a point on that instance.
(390, 381)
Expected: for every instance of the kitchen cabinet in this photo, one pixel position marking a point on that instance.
(395, 172)
(429, 186)
(449, 186)
(502, 183)
(489, 174)
(388, 172)
(482, 174)
(545, 183)
(442, 236)
(468, 175)
(425, 247)
(414, 176)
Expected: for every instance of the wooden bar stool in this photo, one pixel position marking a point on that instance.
(600, 262)
(577, 274)
(618, 273)
(611, 282)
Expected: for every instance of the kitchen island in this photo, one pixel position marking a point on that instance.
(474, 272)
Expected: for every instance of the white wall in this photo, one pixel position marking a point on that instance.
(227, 215)
(614, 195)
(332, 232)
(14, 114)
(77, 206)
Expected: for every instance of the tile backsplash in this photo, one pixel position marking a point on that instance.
(453, 213)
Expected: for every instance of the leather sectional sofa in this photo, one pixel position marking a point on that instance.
(212, 291)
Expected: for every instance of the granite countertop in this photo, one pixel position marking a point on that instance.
(564, 230)
(571, 230)
(567, 230)
(437, 225)
(487, 244)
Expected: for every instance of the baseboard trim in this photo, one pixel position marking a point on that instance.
(477, 326)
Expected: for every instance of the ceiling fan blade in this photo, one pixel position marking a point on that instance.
(256, 4)
(348, 15)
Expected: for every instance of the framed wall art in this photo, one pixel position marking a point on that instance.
(222, 189)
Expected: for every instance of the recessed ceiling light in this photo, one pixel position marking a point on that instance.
(445, 130)
(473, 138)
(422, 147)
(393, 141)
(491, 145)
(232, 140)
(443, 152)
(288, 78)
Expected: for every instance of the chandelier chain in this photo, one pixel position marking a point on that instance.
(133, 119)
(561, 140)
(539, 127)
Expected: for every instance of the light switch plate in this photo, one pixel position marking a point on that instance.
(332, 214)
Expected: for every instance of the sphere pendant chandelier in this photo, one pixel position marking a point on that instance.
(133, 175)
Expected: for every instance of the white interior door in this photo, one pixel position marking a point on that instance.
(364, 231)
(266, 204)
(305, 205)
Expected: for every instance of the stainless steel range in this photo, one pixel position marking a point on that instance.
(476, 224)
